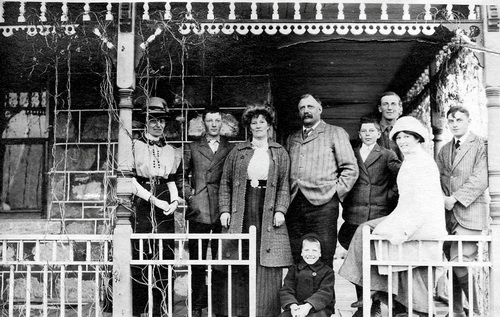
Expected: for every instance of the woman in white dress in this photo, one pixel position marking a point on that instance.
(419, 215)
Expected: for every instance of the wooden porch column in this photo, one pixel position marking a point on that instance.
(491, 33)
(493, 94)
(122, 251)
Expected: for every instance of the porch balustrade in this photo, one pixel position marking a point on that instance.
(73, 275)
(479, 270)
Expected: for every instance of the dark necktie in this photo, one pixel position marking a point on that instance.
(306, 133)
(385, 141)
(454, 150)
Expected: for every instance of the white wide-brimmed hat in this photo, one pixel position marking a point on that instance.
(409, 123)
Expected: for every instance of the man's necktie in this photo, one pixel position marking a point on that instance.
(386, 140)
(306, 133)
(454, 150)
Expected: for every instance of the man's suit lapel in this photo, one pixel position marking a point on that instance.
(373, 155)
(463, 149)
(221, 152)
(315, 133)
(205, 149)
(362, 166)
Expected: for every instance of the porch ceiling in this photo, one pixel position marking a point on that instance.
(349, 75)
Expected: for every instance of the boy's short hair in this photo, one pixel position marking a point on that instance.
(370, 119)
(210, 109)
(311, 239)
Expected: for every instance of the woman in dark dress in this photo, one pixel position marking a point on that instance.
(156, 166)
(254, 191)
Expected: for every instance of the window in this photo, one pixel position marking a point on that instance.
(24, 153)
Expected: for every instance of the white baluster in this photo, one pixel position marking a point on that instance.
(319, 15)
(276, 15)
(449, 12)
(296, 7)
(253, 15)
(472, 12)
(427, 15)
(86, 11)
(22, 11)
(362, 13)
(2, 20)
(210, 14)
(64, 15)
(109, 15)
(232, 7)
(406, 12)
(340, 15)
(145, 15)
(189, 8)
(168, 13)
(43, 12)
(384, 15)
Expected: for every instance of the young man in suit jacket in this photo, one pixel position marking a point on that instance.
(390, 108)
(462, 164)
(323, 170)
(373, 193)
(204, 161)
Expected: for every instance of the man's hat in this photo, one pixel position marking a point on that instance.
(154, 107)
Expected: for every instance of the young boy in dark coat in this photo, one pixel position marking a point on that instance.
(374, 194)
(308, 286)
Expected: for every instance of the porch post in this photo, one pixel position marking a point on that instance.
(491, 63)
(493, 95)
(122, 251)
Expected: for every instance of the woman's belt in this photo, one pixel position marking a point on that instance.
(151, 180)
(257, 183)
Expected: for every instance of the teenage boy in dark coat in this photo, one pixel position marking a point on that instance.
(375, 192)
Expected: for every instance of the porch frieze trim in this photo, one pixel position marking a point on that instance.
(32, 30)
(312, 28)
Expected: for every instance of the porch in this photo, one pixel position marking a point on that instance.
(67, 201)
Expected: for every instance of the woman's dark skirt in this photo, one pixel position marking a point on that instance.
(149, 219)
(268, 279)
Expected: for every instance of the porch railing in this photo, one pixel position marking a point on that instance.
(72, 274)
(155, 244)
(40, 274)
(478, 270)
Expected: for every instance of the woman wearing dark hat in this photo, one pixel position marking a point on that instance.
(156, 166)
(419, 215)
(254, 191)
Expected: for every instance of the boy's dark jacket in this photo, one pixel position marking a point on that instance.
(308, 283)
(374, 194)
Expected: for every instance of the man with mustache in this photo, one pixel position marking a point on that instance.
(323, 170)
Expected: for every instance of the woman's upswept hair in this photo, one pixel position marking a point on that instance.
(254, 110)
(417, 136)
